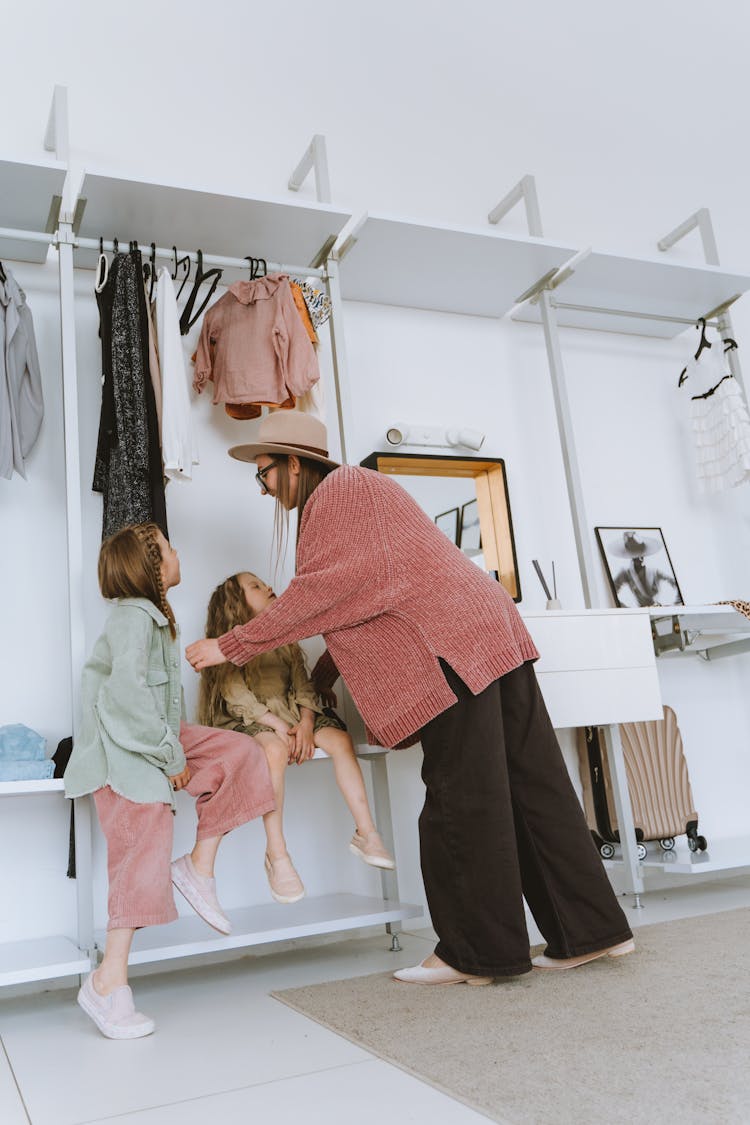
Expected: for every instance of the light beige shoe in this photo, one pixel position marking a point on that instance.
(441, 974)
(285, 883)
(372, 850)
(544, 962)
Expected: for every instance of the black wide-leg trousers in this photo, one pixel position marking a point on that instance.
(501, 821)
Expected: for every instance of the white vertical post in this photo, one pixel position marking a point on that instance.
(338, 350)
(567, 443)
(75, 560)
(623, 808)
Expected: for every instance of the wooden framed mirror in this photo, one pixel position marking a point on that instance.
(468, 498)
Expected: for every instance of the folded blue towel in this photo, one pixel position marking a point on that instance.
(19, 743)
(26, 771)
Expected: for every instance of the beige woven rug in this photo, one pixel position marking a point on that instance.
(661, 1037)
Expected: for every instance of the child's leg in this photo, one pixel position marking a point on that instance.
(139, 848)
(231, 784)
(113, 970)
(230, 781)
(338, 745)
(277, 756)
(366, 842)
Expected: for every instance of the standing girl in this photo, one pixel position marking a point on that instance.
(134, 752)
(272, 699)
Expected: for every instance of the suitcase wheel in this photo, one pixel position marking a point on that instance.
(697, 843)
(667, 844)
(606, 851)
(642, 851)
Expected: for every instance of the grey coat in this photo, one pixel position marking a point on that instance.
(21, 402)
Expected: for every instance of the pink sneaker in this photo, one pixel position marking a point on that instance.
(372, 850)
(200, 892)
(114, 1015)
(285, 883)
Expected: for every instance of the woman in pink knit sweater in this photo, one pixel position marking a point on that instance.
(433, 650)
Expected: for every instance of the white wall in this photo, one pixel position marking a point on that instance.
(630, 121)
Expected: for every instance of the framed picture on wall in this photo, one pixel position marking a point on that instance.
(449, 522)
(638, 566)
(470, 535)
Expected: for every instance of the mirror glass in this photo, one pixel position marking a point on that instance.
(467, 497)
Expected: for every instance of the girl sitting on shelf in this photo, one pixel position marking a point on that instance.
(134, 752)
(272, 699)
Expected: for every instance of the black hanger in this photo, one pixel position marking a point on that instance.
(116, 245)
(3, 277)
(729, 344)
(255, 267)
(703, 343)
(187, 320)
(149, 272)
(184, 261)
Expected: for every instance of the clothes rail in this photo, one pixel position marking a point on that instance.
(26, 235)
(208, 259)
(627, 312)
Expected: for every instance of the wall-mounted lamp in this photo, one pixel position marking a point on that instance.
(401, 434)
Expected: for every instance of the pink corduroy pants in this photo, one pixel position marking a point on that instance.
(231, 784)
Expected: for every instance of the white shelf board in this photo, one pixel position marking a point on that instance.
(40, 959)
(26, 191)
(21, 788)
(257, 925)
(280, 230)
(705, 618)
(478, 272)
(721, 855)
(639, 285)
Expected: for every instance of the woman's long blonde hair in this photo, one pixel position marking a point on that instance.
(311, 473)
(130, 567)
(227, 607)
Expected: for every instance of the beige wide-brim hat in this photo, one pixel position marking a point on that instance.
(288, 431)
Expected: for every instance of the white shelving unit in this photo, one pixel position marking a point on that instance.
(259, 925)
(30, 198)
(477, 272)
(25, 788)
(651, 297)
(41, 959)
(638, 296)
(282, 231)
(30, 195)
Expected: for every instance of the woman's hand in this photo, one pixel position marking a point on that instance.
(180, 780)
(205, 654)
(304, 744)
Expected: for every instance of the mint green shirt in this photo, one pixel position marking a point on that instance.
(131, 709)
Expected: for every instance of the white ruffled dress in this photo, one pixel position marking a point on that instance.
(720, 422)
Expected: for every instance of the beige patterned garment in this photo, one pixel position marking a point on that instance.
(740, 606)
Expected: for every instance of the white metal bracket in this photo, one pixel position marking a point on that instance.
(524, 190)
(315, 159)
(701, 220)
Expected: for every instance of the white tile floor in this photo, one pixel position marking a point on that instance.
(225, 1051)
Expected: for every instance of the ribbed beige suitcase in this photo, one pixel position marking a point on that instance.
(658, 783)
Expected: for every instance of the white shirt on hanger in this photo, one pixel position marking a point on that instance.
(178, 441)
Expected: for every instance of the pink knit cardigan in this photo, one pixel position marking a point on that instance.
(390, 594)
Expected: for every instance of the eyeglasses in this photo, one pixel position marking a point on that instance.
(260, 476)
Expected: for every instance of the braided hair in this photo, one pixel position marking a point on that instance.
(130, 567)
(227, 607)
